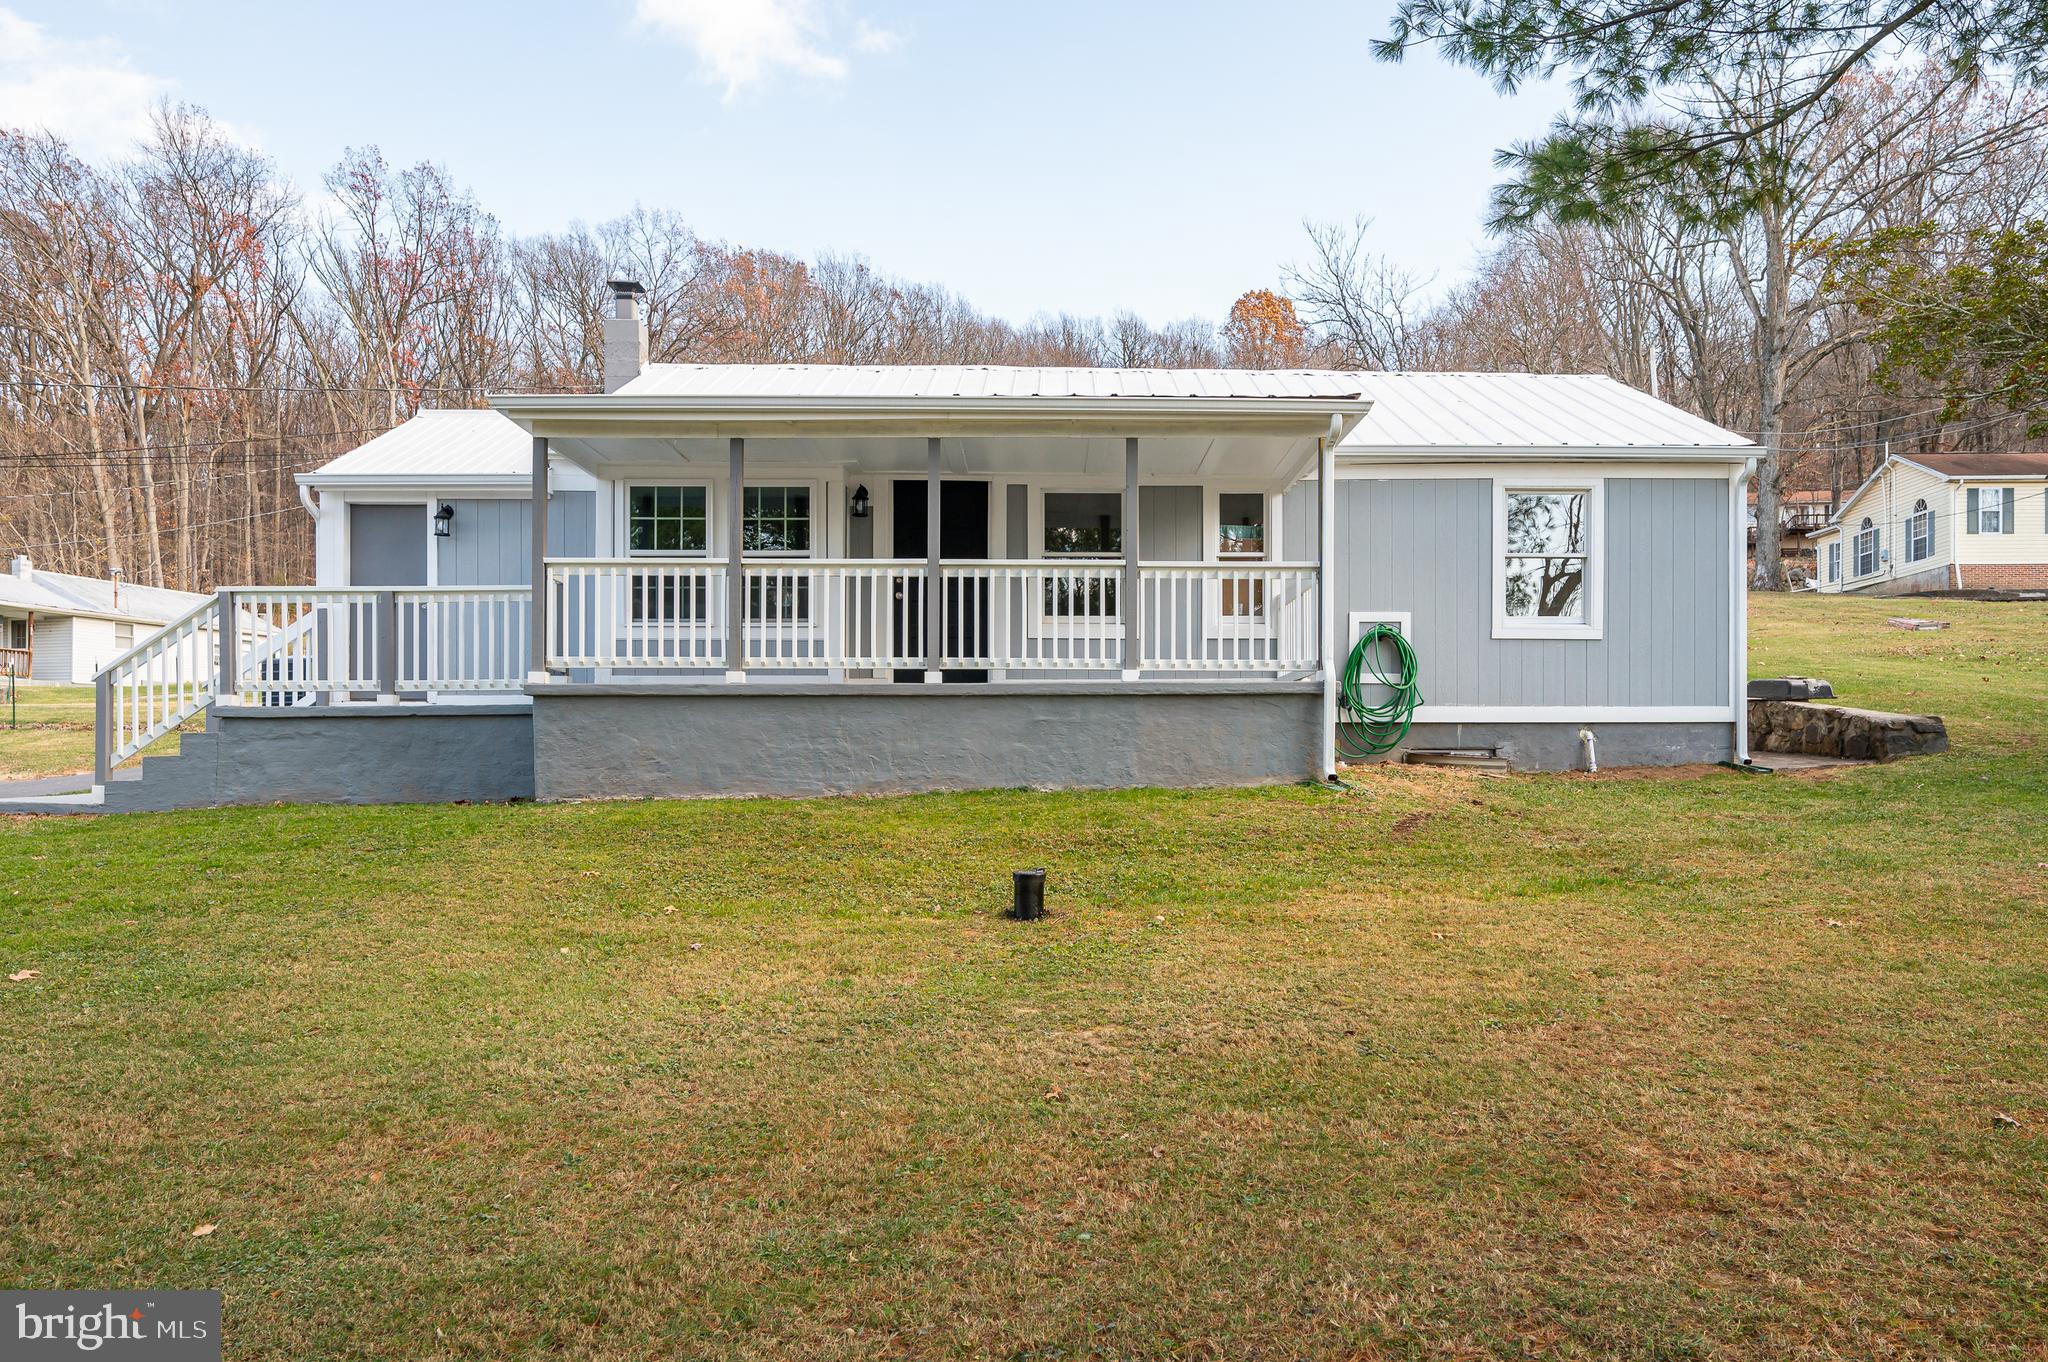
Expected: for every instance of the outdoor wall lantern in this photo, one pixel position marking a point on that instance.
(444, 521)
(861, 505)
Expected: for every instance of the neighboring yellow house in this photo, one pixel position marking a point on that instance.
(1940, 522)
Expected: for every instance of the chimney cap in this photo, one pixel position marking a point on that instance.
(627, 288)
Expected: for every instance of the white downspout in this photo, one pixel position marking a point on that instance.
(1326, 505)
(1738, 610)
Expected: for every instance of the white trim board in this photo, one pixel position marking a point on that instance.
(1574, 714)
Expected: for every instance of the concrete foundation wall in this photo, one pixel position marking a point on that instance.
(412, 755)
(621, 741)
(1556, 747)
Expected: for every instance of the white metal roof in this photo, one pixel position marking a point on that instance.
(61, 593)
(460, 444)
(971, 381)
(1553, 415)
(1524, 413)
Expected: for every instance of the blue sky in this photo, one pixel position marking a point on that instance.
(1091, 158)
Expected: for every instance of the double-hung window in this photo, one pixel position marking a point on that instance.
(1866, 548)
(1083, 525)
(775, 522)
(1919, 532)
(667, 520)
(1241, 534)
(1835, 560)
(1991, 504)
(1546, 560)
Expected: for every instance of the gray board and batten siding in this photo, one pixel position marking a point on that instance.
(491, 539)
(1425, 546)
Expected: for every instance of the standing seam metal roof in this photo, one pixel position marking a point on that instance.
(1434, 411)
(983, 381)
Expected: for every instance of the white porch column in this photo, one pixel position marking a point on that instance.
(934, 588)
(537, 621)
(735, 566)
(1134, 624)
(1326, 598)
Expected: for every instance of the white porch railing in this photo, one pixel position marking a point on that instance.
(294, 646)
(845, 613)
(297, 644)
(1230, 617)
(462, 638)
(1026, 615)
(155, 687)
(635, 613)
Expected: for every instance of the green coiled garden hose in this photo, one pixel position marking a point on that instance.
(1367, 730)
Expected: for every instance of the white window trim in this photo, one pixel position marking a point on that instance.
(1856, 549)
(1991, 510)
(816, 490)
(1593, 626)
(1834, 560)
(1920, 533)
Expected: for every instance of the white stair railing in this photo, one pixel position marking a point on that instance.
(155, 687)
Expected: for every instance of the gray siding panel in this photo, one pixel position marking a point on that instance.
(1425, 545)
(1299, 525)
(492, 541)
(1170, 524)
(1017, 519)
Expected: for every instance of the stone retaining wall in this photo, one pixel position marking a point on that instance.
(1821, 730)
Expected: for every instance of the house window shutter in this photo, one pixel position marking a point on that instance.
(2005, 522)
(1933, 527)
(1970, 514)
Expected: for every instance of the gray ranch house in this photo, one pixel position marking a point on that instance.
(806, 579)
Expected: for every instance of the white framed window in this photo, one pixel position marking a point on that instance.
(1081, 525)
(668, 518)
(1835, 560)
(1866, 548)
(1919, 532)
(1991, 510)
(1546, 558)
(1240, 537)
(775, 519)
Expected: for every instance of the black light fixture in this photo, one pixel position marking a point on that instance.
(444, 521)
(861, 505)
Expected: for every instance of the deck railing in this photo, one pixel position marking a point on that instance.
(1025, 615)
(302, 646)
(155, 687)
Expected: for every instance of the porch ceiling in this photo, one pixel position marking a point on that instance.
(1273, 458)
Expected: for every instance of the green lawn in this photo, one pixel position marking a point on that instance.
(47, 731)
(1627, 1066)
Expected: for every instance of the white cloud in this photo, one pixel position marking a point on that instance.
(873, 38)
(743, 42)
(85, 92)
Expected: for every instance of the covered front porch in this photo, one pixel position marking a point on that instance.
(946, 559)
(1107, 583)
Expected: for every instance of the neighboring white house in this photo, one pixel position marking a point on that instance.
(57, 627)
(1940, 522)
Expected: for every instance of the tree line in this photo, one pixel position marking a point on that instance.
(183, 331)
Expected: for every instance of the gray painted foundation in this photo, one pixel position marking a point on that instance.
(1556, 747)
(409, 754)
(606, 742)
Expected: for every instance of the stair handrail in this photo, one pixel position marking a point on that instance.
(132, 708)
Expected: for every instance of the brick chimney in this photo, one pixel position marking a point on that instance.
(625, 336)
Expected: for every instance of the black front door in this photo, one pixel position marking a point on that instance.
(963, 534)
